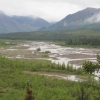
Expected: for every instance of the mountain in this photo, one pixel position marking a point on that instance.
(86, 18)
(20, 23)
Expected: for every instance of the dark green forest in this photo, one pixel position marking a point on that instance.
(90, 37)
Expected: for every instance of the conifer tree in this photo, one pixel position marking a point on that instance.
(29, 95)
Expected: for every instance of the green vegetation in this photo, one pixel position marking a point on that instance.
(14, 77)
(4, 43)
(38, 49)
(82, 37)
(90, 68)
(29, 95)
(13, 82)
(36, 65)
(47, 52)
(85, 41)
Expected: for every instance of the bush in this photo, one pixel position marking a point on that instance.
(38, 49)
(29, 95)
(47, 52)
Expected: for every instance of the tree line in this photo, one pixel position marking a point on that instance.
(91, 38)
(91, 41)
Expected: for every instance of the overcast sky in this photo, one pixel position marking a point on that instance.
(50, 10)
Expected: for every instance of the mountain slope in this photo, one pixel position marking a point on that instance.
(87, 18)
(20, 23)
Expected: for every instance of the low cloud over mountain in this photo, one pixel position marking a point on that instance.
(20, 23)
(87, 18)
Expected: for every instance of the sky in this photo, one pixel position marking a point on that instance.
(50, 10)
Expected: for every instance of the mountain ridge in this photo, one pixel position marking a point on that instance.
(80, 19)
(20, 23)
(86, 18)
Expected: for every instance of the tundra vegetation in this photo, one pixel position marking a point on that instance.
(13, 82)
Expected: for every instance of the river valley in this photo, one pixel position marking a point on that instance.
(50, 51)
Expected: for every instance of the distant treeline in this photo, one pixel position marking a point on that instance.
(93, 41)
(37, 36)
(74, 37)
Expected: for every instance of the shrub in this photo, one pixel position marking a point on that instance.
(38, 49)
(29, 95)
(47, 52)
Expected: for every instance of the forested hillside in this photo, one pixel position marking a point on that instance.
(72, 37)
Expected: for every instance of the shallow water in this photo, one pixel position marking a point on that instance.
(60, 76)
(62, 53)
(58, 54)
(67, 54)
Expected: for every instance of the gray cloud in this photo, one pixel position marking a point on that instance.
(51, 10)
(94, 19)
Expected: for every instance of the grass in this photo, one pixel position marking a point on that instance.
(13, 82)
(5, 43)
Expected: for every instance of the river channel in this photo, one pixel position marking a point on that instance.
(58, 54)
